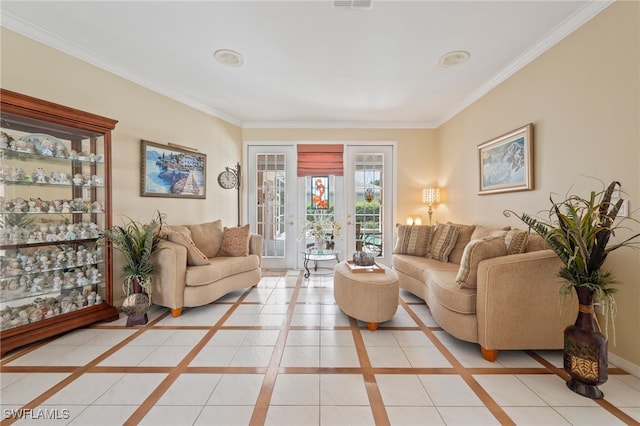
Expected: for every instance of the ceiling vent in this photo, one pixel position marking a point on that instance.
(353, 4)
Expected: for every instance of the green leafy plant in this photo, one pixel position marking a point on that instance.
(138, 242)
(578, 230)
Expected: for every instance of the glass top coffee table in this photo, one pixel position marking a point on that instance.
(319, 256)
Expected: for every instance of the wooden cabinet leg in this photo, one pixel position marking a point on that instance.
(176, 312)
(489, 354)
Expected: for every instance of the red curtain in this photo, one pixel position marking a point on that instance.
(319, 160)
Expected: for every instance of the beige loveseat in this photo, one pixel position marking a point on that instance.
(198, 264)
(479, 293)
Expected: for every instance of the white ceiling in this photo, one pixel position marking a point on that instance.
(307, 63)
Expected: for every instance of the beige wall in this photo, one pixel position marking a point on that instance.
(583, 98)
(37, 70)
(417, 157)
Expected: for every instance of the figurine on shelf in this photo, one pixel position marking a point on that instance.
(91, 298)
(73, 154)
(96, 207)
(66, 207)
(62, 231)
(92, 157)
(70, 235)
(95, 275)
(39, 176)
(77, 179)
(57, 281)
(46, 148)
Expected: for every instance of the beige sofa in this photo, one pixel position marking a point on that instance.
(198, 264)
(479, 293)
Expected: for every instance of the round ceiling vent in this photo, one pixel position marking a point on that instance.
(452, 59)
(229, 57)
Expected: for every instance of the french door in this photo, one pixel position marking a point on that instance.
(363, 202)
(369, 189)
(271, 202)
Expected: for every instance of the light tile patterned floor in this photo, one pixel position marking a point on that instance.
(283, 353)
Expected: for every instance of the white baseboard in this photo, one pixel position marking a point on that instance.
(627, 366)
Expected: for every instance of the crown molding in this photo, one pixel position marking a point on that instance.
(40, 35)
(577, 19)
(337, 125)
(569, 25)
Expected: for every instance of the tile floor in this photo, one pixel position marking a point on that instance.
(282, 353)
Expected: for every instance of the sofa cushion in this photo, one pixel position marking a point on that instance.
(487, 231)
(207, 237)
(166, 229)
(443, 241)
(475, 252)
(442, 285)
(413, 240)
(220, 268)
(194, 255)
(516, 241)
(414, 266)
(464, 236)
(235, 241)
(536, 242)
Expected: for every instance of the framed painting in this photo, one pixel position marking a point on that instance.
(170, 171)
(320, 192)
(506, 162)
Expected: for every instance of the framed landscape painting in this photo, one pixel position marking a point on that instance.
(169, 171)
(506, 162)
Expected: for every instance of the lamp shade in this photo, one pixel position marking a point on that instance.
(431, 195)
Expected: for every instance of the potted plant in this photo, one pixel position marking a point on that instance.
(578, 230)
(137, 242)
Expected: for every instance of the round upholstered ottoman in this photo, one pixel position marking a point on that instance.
(371, 297)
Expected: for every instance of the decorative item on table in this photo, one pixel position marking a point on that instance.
(363, 258)
(321, 229)
(578, 230)
(138, 243)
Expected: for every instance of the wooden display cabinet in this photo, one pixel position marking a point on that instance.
(55, 199)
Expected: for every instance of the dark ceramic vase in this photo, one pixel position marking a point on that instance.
(585, 350)
(138, 302)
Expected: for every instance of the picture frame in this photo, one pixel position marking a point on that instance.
(172, 171)
(320, 192)
(506, 162)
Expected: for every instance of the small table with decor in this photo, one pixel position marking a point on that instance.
(316, 256)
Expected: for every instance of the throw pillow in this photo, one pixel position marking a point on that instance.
(487, 232)
(464, 236)
(194, 256)
(207, 236)
(516, 241)
(474, 253)
(413, 239)
(235, 241)
(444, 240)
(167, 229)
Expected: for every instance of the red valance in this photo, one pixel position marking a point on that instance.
(320, 159)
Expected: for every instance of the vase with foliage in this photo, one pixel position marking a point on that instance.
(578, 230)
(137, 242)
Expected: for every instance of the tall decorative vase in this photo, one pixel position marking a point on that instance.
(585, 350)
(136, 304)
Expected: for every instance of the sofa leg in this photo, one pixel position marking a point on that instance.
(176, 312)
(489, 354)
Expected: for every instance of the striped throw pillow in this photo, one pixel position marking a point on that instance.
(413, 240)
(443, 241)
(516, 241)
(474, 253)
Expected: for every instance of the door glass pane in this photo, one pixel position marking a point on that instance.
(270, 208)
(369, 216)
(320, 198)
